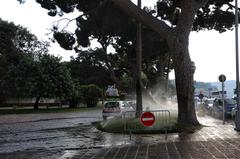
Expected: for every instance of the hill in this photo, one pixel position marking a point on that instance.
(230, 85)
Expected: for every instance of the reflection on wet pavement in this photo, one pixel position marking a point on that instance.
(46, 131)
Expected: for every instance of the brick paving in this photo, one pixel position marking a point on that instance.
(214, 141)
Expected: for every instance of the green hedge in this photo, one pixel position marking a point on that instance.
(89, 94)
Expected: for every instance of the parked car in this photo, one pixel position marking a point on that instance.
(217, 110)
(114, 108)
(208, 103)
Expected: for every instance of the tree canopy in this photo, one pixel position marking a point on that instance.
(17, 46)
(172, 22)
(98, 23)
(26, 68)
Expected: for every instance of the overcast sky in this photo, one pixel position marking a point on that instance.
(212, 52)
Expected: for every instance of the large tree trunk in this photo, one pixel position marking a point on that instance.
(183, 66)
(184, 71)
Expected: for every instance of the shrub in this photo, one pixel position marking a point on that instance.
(89, 94)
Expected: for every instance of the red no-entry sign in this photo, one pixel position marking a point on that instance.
(147, 119)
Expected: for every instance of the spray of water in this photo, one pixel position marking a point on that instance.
(157, 99)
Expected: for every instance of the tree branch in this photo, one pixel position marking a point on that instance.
(132, 10)
(88, 12)
(69, 21)
(232, 6)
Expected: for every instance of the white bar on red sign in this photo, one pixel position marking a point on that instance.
(147, 119)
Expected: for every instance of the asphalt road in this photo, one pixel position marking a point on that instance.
(72, 135)
(50, 132)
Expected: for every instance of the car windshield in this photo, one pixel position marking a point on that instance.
(111, 104)
(126, 104)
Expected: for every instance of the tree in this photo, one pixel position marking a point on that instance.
(45, 77)
(18, 80)
(88, 68)
(98, 25)
(18, 48)
(52, 79)
(15, 38)
(26, 68)
(183, 17)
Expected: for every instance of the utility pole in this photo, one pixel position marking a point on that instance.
(237, 116)
(139, 107)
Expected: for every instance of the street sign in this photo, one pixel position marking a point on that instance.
(222, 78)
(147, 119)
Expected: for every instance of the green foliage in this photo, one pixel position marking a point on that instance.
(88, 68)
(19, 80)
(98, 22)
(65, 39)
(45, 77)
(53, 78)
(15, 38)
(19, 48)
(216, 14)
(90, 94)
(26, 68)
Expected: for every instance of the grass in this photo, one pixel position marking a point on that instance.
(117, 125)
(23, 110)
(120, 125)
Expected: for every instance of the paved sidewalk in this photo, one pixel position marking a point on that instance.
(213, 141)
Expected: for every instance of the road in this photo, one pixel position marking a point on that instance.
(72, 135)
(42, 135)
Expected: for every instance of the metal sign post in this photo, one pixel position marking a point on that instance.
(223, 103)
(222, 78)
(237, 115)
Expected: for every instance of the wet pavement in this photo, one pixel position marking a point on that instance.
(71, 135)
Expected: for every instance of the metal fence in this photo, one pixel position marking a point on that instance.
(133, 124)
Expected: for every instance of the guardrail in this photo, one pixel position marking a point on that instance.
(162, 122)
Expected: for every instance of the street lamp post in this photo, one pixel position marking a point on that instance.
(237, 119)
(139, 106)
